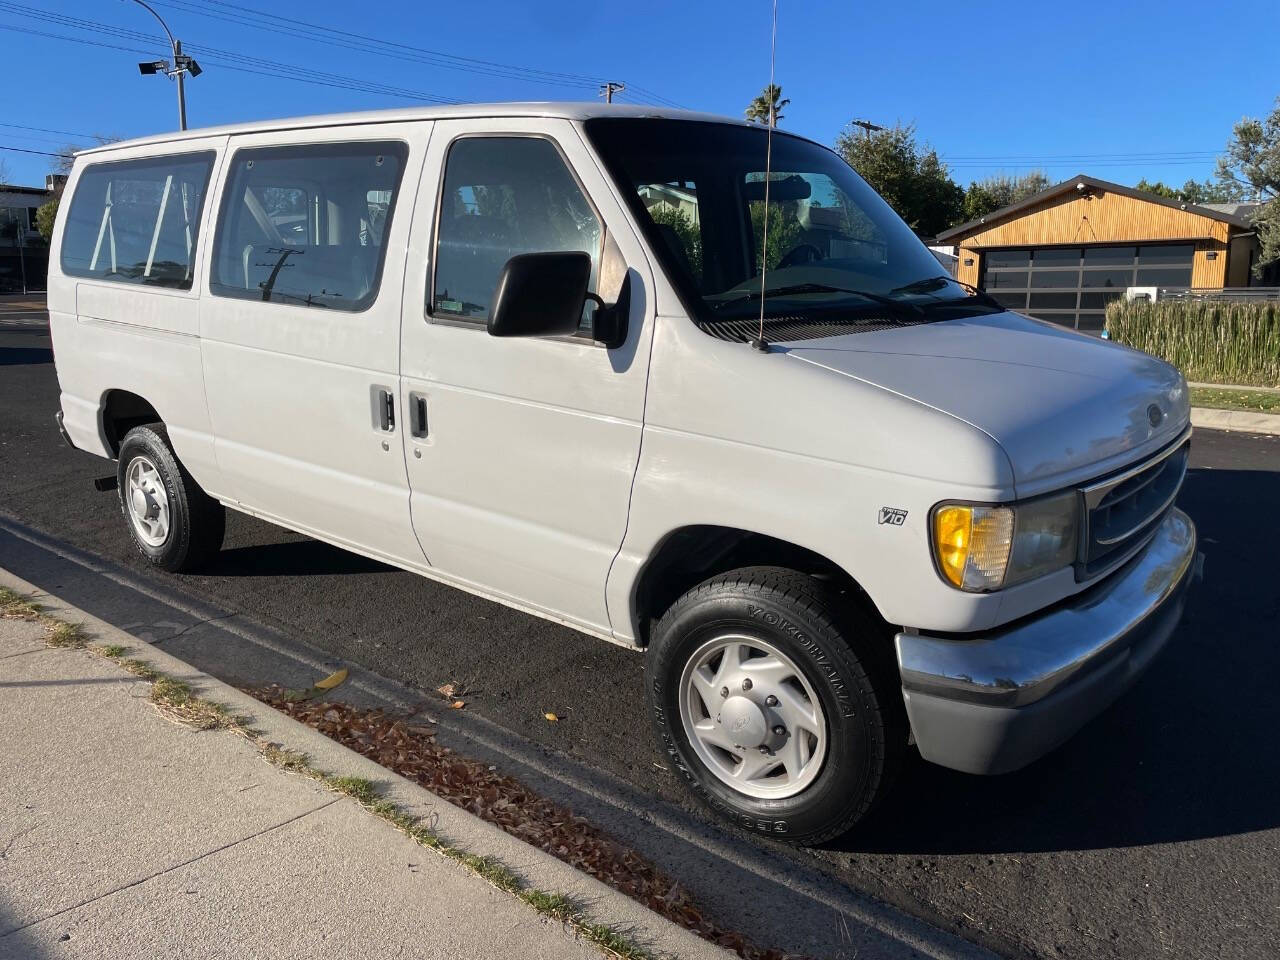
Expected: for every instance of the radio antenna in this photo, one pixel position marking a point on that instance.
(759, 342)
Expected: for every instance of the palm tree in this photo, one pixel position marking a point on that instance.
(767, 108)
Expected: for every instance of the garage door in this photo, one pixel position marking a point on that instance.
(1073, 285)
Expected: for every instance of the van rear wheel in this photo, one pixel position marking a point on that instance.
(775, 702)
(174, 524)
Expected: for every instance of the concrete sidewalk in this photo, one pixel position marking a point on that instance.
(126, 834)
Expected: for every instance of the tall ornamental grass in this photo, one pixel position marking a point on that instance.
(1221, 342)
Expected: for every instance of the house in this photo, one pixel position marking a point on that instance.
(24, 256)
(1064, 253)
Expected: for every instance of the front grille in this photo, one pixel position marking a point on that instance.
(1122, 512)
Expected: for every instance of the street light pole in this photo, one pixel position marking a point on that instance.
(178, 67)
(182, 91)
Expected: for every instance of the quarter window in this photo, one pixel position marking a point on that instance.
(137, 221)
(504, 196)
(304, 225)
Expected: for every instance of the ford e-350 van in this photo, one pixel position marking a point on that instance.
(843, 503)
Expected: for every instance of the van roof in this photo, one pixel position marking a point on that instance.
(555, 109)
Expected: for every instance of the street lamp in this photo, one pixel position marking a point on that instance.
(182, 65)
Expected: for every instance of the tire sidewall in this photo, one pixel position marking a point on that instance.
(147, 442)
(848, 774)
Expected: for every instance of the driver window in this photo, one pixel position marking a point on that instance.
(810, 220)
(504, 196)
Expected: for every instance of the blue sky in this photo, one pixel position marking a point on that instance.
(1119, 90)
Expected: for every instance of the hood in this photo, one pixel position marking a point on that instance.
(1064, 406)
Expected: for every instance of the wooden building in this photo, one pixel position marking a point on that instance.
(1064, 253)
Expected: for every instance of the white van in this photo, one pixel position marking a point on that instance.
(523, 350)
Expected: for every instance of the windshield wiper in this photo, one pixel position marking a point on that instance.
(817, 288)
(929, 284)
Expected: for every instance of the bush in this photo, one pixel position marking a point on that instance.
(1210, 342)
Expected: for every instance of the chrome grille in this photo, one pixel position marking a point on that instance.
(1123, 511)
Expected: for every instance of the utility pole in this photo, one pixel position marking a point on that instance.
(866, 125)
(607, 90)
(182, 65)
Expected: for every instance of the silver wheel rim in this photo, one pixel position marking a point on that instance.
(146, 502)
(752, 717)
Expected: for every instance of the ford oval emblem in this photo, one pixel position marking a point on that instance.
(1154, 415)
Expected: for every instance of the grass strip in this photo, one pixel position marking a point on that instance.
(1220, 398)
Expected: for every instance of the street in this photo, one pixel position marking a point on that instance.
(1155, 832)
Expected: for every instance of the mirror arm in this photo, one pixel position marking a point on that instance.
(609, 323)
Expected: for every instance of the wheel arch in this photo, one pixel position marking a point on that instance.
(691, 554)
(121, 411)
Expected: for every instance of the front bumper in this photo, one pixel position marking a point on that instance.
(996, 703)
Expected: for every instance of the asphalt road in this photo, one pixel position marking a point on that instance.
(1155, 832)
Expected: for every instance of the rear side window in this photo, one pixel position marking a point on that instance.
(137, 221)
(504, 196)
(305, 225)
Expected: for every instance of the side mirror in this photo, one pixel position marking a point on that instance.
(540, 295)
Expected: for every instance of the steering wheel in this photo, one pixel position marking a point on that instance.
(800, 253)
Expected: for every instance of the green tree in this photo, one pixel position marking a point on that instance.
(767, 107)
(46, 214)
(1193, 191)
(985, 196)
(784, 230)
(909, 175)
(685, 230)
(1251, 169)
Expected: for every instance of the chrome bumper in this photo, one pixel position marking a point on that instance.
(996, 703)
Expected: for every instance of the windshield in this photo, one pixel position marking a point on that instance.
(836, 255)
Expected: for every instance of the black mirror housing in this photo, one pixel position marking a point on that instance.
(540, 295)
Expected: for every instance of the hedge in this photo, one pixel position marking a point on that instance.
(1213, 342)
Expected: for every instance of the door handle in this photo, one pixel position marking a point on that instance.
(418, 415)
(386, 411)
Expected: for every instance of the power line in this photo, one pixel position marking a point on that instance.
(65, 133)
(43, 153)
(344, 37)
(232, 61)
(225, 57)
(319, 33)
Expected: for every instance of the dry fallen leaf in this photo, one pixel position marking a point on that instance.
(551, 717)
(458, 704)
(446, 690)
(331, 681)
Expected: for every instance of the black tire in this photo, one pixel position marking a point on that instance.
(197, 522)
(844, 653)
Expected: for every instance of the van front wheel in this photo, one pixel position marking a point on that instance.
(772, 703)
(174, 524)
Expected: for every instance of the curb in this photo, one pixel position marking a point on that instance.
(601, 903)
(1243, 421)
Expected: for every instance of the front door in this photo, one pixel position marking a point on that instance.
(300, 331)
(520, 452)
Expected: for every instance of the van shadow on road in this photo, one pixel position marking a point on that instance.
(1189, 753)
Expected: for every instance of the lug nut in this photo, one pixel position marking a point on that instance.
(724, 691)
(746, 684)
(771, 701)
(779, 731)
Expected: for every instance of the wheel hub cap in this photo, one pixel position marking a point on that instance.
(752, 717)
(744, 722)
(148, 503)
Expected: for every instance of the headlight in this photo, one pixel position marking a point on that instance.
(982, 548)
